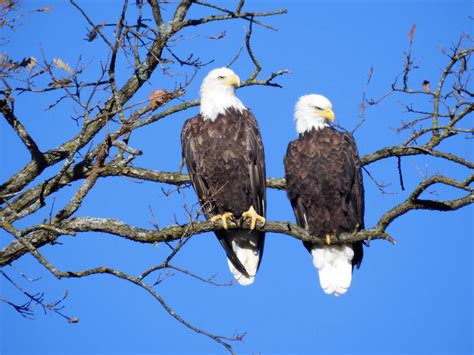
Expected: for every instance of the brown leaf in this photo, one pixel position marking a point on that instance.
(31, 63)
(73, 320)
(411, 34)
(426, 85)
(7, 63)
(61, 65)
(24, 63)
(158, 98)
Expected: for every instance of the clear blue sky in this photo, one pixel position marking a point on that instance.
(415, 297)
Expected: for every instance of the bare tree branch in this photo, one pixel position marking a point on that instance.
(23, 134)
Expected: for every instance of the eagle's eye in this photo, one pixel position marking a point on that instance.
(220, 77)
(318, 108)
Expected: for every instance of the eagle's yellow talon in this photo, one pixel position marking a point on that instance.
(253, 216)
(328, 239)
(223, 218)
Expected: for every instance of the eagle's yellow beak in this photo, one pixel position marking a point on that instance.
(233, 79)
(328, 114)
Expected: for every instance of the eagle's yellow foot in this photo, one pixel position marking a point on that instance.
(223, 218)
(328, 239)
(253, 216)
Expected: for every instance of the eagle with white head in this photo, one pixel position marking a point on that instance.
(324, 186)
(223, 152)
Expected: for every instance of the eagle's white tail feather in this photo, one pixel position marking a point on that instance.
(245, 246)
(334, 264)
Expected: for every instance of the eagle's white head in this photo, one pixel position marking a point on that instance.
(312, 111)
(218, 93)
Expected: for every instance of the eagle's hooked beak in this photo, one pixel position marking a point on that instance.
(234, 80)
(328, 114)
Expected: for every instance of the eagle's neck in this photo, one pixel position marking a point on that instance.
(215, 103)
(307, 121)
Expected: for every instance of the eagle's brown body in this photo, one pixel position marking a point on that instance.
(324, 184)
(225, 160)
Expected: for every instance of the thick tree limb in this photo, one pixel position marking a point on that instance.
(43, 235)
(156, 11)
(402, 151)
(21, 131)
(413, 202)
(167, 177)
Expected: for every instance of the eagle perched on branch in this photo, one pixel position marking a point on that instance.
(223, 152)
(324, 186)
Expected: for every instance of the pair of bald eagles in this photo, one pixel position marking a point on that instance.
(224, 155)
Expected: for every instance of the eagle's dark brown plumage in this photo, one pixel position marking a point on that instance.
(324, 184)
(225, 160)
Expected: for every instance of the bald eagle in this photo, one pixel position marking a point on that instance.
(223, 152)
(324, 186)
